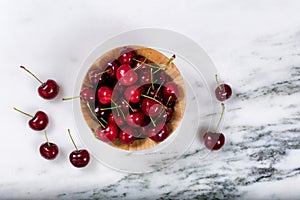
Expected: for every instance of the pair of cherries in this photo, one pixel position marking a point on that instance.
(215, 140)
(49, 90)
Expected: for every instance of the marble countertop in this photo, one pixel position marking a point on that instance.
(255, 46)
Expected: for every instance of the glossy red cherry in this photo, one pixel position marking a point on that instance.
(126, 135)
(112, 67)
(38, 122)
(127, 55)
(133, 94)
(79, 157)
(126, 76)
(214, 141)
(114, 118)
(171, 90)
(223, 91)
(161, 135)
(87, 95)
(151, 107)
(101, 112)
(135, 119)
(141, 64)
(48, 150)
(48, 90)
(108, 133)
(104, 95)
(145, 76)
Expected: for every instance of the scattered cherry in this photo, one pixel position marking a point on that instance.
(79, 157)
(215, 140)
(38, 122)
(47, 90)
(108, 133)
(126, 135)
(104, 95)
(223, 91)
(48, 150)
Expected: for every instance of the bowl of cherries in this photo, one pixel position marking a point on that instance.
(132, 97)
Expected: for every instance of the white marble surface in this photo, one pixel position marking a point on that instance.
(256, 48)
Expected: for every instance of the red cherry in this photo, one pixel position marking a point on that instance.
(126, 76)
(140, 64)
(223, 91)
(154, 130)
(126, 135)
(101, 112)
(161, 135)
(133, 94)
(38, 122)
(98, 76)
(127, 55)
(214, 141)
(114, 118)
(162, 77)
(112, 67)
(145, 76)
(108, 133)
(87, 95)
(79, 157)
(171, 92)
(135, 119)
(151, 107)
(48, 150)
(48, 90)
(104, 95)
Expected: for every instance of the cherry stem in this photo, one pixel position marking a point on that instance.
(151, 98)
(158, 89)
(95, 75)
(90, 109)
(166, 65)
(142, 63)
(70, 98)
(123, 115)
(169, 100)
(45, 133)
(129, 106)
(72, 139)
(221, 117)
(29, 115)
(171, 60)
(148, 65)
(218, 83)
(104, 120)
(32, 75)
(153, 122)
(111, 108)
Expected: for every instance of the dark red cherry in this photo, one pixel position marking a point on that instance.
(135, 119)
(166, 116)
(145, 76)
(126, 135)
(38, 122)
(104, 95)
(171, 92)
(79, 157)
(162, 77)
(126, 76)
(127, 55)
(48, 150)
(161, 135)
(97, 76)
(114, 118)
(140, 64)
(133, 94)
(108, 133)
(213, 141)
(47, 90)
(112, 68)
(101, 112)
(153, 130)
(223, 92)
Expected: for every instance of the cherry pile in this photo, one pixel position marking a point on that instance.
(131, 98)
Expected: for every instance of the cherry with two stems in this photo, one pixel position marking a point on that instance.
(48, 150)
(47, 90)
(223, 91)
(215, 140)
(79, 157)
(38, 122)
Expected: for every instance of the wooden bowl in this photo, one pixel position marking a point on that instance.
(171, 70)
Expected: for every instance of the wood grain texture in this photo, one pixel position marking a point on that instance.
(171, 70)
